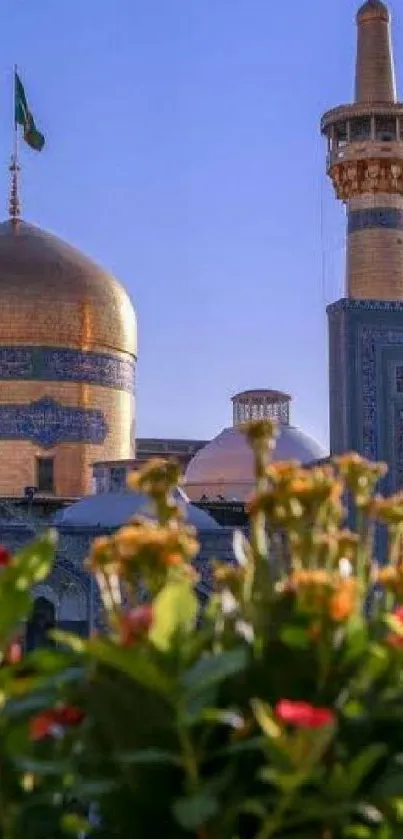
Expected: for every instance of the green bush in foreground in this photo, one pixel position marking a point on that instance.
(277, 713)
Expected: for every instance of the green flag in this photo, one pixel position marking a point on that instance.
(23, 117)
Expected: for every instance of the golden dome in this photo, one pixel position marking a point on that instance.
(53, 295)
(373, 10)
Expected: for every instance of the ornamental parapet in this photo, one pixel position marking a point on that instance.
(352, 177)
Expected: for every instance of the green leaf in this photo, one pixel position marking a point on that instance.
(357, 831)
(264, 717)
(295, 637)
(252, 745)
(175, 611)
(196, 810)
(32, 564)
(42, 767)
(77, 644)
(397, 804)
(363, 764)
(214, 669)
(76, 825)
(144, 757)
(134, 663)
(28, 567)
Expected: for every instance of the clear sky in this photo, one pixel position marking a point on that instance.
(183, 153)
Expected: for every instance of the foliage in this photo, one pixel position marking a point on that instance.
(278, 712)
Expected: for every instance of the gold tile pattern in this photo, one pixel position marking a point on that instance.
(53, 295)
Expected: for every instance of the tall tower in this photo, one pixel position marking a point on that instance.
(365, 164)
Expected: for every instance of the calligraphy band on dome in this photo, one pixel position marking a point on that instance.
(48, 423)
(67, 365)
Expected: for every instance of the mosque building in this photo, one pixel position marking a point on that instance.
(68, 354)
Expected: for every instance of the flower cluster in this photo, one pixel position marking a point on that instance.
(296, 497)
(323, 592)
(144, 544)
(51, 721)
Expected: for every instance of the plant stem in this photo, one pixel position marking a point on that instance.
(189, 757)
(272, 824)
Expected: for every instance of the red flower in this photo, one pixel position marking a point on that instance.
(13, 653)
(302, 714)
(44, 723)
(5, 556)
(69, 715)
(136, 624)
(393, 639)
(41, 725)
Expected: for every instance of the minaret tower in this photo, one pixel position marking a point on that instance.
(365, 163)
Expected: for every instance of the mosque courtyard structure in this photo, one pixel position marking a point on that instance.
(68, 356)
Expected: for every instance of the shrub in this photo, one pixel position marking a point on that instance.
(277, 713)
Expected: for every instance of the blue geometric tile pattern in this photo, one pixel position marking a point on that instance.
(387, 217)
(67, 365)
(366, 381)
(48, 423)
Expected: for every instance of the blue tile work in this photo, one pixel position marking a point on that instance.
(67, 365)
(387, 217)
(48, 423)
(366, 381)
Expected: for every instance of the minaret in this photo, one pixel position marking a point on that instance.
(365, 163)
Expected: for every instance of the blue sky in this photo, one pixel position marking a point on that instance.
(183, 153)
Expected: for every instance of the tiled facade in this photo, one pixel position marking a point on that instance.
(366, 370)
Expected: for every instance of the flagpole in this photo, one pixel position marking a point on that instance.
(14, 205)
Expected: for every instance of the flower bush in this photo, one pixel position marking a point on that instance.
(275, 711)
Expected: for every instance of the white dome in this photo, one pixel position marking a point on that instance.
(110, 510)
(224, 467)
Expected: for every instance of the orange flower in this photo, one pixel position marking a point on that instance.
(342, 604)
(388, 510)
(360, 475)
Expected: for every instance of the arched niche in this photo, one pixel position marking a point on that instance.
(41, 622)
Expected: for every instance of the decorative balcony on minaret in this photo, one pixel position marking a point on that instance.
(365, 165)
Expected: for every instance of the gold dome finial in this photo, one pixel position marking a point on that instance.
(375, 71)
(14, 203)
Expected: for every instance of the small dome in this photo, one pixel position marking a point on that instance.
(111, 510)
(51, 294)
(373, 10)
(224, 467)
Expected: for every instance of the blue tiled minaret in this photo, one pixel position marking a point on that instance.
(365, 164)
